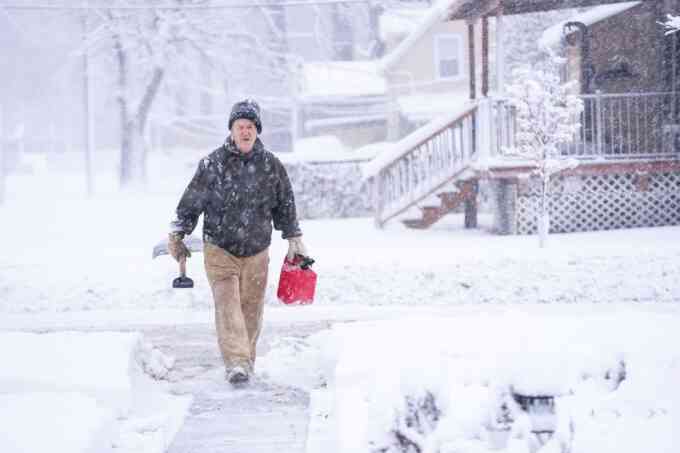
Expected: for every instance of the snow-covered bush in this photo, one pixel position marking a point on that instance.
(328, 190)
(547, 115)
(413, 425)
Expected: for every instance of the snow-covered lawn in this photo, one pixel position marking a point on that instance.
(66, 255)
(463, 316)
(73, 392)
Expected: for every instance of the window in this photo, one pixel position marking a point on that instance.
(448, 54)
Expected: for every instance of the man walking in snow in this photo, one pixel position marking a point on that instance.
(240, 188)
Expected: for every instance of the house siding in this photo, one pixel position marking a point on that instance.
(417, 71)
(627, 38)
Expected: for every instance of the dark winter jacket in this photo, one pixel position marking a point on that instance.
(240, 195)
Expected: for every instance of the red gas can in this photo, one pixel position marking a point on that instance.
(297, 282)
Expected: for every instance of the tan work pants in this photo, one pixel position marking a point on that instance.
(238, 286)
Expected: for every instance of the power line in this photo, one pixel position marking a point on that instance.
(244, 5)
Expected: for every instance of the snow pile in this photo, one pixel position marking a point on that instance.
(424, 107)
(318, 148)
(99, 387)
(328, 79)
(475, 383)
(36, 422)
(67, 254)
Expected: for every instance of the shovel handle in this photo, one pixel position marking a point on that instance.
(183, 266)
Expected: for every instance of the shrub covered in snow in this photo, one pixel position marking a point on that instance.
(413, 424)
(328, 190)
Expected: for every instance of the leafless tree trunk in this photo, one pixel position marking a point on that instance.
(133, 125)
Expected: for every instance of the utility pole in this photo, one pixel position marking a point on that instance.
(87, 111)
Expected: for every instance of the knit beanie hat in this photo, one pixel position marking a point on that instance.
(247, 109)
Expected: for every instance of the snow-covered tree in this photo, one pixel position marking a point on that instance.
(672, 24)
(156, 42)
(547, 116)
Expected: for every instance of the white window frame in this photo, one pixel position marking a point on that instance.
(437, 55)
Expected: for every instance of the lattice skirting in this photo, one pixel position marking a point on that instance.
(600, 202)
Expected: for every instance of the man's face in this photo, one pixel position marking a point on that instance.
(244, 133)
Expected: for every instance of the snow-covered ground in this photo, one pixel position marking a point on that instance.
(85, 392)
(612, 376)
(465, 317)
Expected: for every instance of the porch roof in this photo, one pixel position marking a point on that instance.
(552, 35)
(472, 9)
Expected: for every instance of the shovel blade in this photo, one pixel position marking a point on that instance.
(182, 282)
(193, 243)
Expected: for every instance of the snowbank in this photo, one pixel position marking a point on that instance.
(612, 377)
(54, 422)
(103, 365)
(100, 388)
(327, 79)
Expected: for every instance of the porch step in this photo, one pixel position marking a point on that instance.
(448, 202)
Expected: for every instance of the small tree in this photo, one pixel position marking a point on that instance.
(547, 116)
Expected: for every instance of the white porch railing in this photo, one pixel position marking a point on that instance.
(614, 127)
(635, 126)
(422, 163)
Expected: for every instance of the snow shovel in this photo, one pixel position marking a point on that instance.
(194, 244)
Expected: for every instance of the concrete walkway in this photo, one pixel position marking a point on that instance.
(260, 418)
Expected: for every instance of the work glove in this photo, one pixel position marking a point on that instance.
(296, 247)
(178, 250)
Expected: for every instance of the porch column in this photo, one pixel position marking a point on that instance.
(471, 59)
(471, 207)
(500, 53)
(485, 56)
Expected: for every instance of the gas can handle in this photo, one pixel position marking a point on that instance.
(302, 261)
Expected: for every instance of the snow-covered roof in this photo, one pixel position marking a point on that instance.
(552, 36)
(346, 120)
(341, 78)
(399, 23)
(371, 150)
(439, 12)
(426, 106)
(325, 148)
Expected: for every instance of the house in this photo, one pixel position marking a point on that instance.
(607, 50)
(427, 72)
(627, 175)
(327, 103)
(421, 75)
